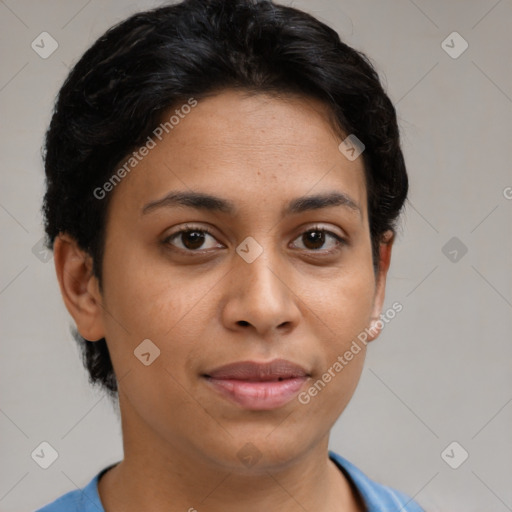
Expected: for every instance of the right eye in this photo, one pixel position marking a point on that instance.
(190, 238)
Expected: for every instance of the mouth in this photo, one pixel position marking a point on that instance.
(258, 386)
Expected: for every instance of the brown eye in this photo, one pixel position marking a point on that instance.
(191, 239)
(316, 238)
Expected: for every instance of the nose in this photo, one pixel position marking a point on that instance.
(259, 297)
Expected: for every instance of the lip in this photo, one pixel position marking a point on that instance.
(258, 386)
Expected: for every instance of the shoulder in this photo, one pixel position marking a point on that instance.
(377, 497)
(85, 499)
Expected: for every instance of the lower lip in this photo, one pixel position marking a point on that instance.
(259, 395)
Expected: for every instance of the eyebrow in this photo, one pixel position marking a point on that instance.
(207, 202)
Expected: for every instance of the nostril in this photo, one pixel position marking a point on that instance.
(243, 322)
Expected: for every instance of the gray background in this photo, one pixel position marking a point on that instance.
(441, 370)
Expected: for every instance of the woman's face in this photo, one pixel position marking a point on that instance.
(262, 284)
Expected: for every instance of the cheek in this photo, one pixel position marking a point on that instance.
(344, 312)
(344, 302)
(327, 396)
(141, 292)
(149, 302)
(146, 298)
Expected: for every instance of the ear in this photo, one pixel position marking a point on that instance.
(79, 287)
(385, 247)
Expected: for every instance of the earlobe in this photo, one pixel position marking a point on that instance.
(79, 287)
(385, 247)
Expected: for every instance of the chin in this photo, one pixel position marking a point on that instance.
(260, 449)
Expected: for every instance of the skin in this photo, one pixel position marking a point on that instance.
(295, 301)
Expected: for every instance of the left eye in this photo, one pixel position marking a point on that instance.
(315, 238)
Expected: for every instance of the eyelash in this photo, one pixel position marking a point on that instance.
(190, 228)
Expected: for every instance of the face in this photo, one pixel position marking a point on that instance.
(255, 276)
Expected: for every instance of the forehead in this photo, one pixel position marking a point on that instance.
(251, 149)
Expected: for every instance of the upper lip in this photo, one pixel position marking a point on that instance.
(253, 371)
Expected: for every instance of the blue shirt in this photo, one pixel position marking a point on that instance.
(377, 497)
